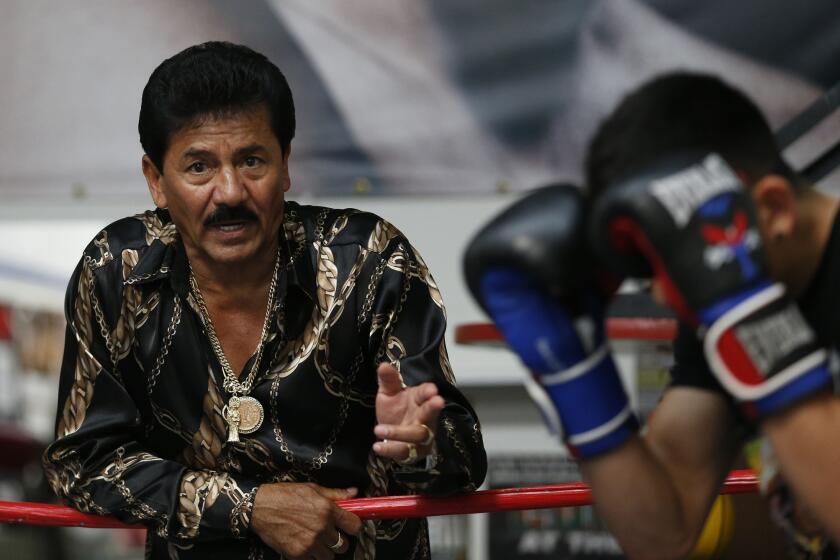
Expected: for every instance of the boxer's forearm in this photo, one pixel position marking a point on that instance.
(656, 490)
(640, 503)
(805, 441)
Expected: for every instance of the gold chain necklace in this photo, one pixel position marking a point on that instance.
(244, 414)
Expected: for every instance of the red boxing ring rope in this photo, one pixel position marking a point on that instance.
(387, 507)
(618, 328)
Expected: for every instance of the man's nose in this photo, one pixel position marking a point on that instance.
(229, 188)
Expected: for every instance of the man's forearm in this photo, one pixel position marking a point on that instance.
(804, 439)
(655, 491)
(640, 502)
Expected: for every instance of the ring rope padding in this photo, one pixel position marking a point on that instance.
(385, 507)
(618, 328)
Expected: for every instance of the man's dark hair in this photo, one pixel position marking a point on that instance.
(683, 111)
(212, 80)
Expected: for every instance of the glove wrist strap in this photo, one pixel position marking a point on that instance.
(763, 351)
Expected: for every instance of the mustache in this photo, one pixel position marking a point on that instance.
(226, 213)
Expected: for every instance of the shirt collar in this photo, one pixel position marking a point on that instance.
(299, 266)
(158, 260)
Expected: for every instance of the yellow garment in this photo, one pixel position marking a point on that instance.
(717, 533)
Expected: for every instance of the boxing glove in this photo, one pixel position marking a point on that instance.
(688, 220)
(530, 271)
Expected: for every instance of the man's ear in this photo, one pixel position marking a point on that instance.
(154, 179)
(287, 181)
(775, 203)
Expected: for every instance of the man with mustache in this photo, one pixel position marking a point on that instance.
(236, 363)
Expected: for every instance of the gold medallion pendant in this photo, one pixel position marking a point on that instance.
(250, 415)
(244, 415)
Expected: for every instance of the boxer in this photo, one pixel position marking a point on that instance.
(685, 185)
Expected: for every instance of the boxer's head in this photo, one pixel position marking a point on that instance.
(216, 123)
(682, 111)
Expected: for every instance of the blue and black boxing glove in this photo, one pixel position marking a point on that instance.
(531, 272)
(688, 220)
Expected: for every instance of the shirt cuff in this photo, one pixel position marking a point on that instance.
(240, 514)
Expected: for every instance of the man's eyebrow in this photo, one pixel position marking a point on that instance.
(250, 149)
(196, 153)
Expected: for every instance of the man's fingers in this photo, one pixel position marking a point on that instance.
(297, 519)
(390, 381)
(334, 537)
(424, 392)
(336, 494)
(400, 451)
(415, 433)
(430, 409)
(347, 522)
(396, 450)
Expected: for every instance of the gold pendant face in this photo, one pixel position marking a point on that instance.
(250, 415)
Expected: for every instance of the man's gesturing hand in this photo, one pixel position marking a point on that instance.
(301, 520)
(406, 416)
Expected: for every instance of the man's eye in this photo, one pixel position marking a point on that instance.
(252, 161)
(197, 167)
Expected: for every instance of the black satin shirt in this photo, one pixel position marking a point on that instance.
(140, 431)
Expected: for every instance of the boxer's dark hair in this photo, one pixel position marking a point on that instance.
(684, 111)
(212, 80)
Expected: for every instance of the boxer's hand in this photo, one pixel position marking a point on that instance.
(529, 269)
(689, 221)
(301, 520)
